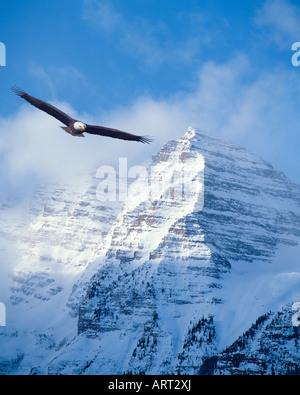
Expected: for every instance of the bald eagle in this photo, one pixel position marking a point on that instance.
(75, 127)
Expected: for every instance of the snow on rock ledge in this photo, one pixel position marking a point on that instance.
(166, 283)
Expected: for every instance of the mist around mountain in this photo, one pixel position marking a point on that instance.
(195, 272)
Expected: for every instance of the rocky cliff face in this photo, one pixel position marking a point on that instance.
(269, 347)
(196, 273)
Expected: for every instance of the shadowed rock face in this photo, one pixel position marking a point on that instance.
(153, 291)
(247, 213)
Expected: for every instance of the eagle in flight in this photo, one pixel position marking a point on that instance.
(75, 127)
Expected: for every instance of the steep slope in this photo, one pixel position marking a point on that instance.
(269, 347)
(162, 301)
(46, 245)
(205, 244)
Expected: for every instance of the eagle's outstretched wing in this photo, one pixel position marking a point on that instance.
(117, 134)
(68, 121)
(46, 107)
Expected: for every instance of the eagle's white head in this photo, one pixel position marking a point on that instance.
(79, 126)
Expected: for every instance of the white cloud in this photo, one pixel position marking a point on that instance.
(60, 77)
(153, 42)
(137, 37)
(281, 18)
(101, 15)
(34, 150)
(256, 110)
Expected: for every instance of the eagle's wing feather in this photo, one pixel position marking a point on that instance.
(46, 107)
(64, 118)
(115, 133)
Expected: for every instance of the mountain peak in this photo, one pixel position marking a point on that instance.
(190, 133)
(168, 280)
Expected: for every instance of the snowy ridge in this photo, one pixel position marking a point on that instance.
(192, 275)
(156, 203)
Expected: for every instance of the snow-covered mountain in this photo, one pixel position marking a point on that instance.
(196, 273)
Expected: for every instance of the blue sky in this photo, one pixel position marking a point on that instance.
(152, 67)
